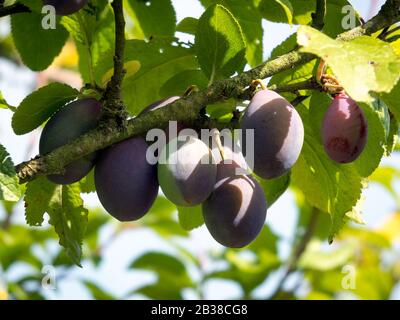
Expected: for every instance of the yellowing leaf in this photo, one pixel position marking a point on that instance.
(362, 66)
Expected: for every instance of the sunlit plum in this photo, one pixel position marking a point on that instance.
(186, 171)
(236, 210)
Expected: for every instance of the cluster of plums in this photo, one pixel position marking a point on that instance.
(66, 7)
(233, 204)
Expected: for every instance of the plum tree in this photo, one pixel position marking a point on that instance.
(344, 129)
(278, 134)
(126, 183)
(186, 171)
(66, 7)
(65, 126)
(236, 210)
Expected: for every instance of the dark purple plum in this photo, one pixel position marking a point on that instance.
(344, 129)
(186, 171)
(66, 125)
(236, 210)
(66, 7)
(278, 134)
(126, 183)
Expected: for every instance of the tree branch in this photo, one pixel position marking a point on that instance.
(13, 9)
(113, 104)
(318, 18)
(187, 109)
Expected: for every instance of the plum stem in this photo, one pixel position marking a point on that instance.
(258, 82)
(217, 138)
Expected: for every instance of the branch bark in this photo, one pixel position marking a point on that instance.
(187, 109)
(13, 9)
(318, 18)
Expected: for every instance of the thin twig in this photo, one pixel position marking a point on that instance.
(13, 9)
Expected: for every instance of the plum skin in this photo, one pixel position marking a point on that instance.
(66, 7)
(278, 133)
(126, 183)
(236, 210)
(73, 120)
(189, 173)
(344, 130)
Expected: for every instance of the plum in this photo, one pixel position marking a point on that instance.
(278, 134)
(66, 7)
(186, 171)
(66, 125)
(126, 183)
(236, 210)
(344, 129)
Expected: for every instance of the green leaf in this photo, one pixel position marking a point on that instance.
(153, 17)
(87, 183)
(9, 186)
(188, 25)
(69, 218)
(274, 188)
(159, 60)
(35, 5)
(177, 84)
(277, 10)
(162, 220)
(190, 217)
(38, 196)
(220, 44)
(362, 66)
(392, 100)
(37, 46)
(329, 186)
(160, 263)
(167, 267)
(40, 105)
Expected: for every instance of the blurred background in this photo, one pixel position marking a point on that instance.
(156, 258)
